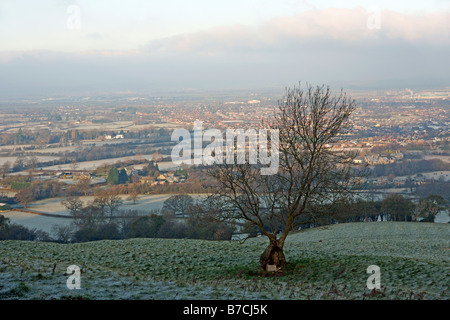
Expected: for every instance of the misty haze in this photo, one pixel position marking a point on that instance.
(135, 152)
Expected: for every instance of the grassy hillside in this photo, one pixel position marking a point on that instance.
(325, 263)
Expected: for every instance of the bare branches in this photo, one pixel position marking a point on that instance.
(309, 122)
(311, 176)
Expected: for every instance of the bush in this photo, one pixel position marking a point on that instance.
(42, 236)
(108, 231)
(17, 232)
(172, 230)
(63, 233)
(145, 227)
(429, 218)
(223, 233)
(86, 234)
(205, 227)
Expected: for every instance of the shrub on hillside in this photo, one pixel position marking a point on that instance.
(171, 229)
(109, 231)
(17, 232)
(145, 227)
(86, 234)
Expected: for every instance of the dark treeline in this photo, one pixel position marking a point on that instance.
(183, 218)
(394, 207)
(131, 224)
(102, 220)
(30, 191)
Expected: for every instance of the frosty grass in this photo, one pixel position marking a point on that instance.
(324, 263)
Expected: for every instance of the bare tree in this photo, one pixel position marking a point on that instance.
(74, 164)
(25, 196)
(63, 233)
(82, 183)
(19, 164)
(73, 204)
(178, 204)
(113, 203)
(108, 199)
(311, 176)
(133, 194)
(429, 207)
(5, 168)
(32, 162)
(89, 216)
(100, 200)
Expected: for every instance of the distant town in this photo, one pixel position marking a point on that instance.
(78, 147)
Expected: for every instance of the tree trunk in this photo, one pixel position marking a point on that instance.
(272, 259)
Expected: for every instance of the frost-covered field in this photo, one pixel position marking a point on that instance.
(145, 203)
(325, 263)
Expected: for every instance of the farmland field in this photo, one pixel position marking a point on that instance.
(324, 263)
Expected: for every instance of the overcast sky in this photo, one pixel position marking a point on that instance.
(52, 46)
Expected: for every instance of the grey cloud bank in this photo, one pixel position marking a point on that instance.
(333, 46)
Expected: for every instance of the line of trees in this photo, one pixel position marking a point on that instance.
(102, 219)
(13, 231)
(27, 192)
(200, 219)
(394, 207)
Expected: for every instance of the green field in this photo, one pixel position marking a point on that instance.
(324, 263)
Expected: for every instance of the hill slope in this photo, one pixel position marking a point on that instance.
(325, 263)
